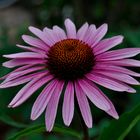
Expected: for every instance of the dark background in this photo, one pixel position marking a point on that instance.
(123, 17)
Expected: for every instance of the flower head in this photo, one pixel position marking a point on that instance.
(72, 62)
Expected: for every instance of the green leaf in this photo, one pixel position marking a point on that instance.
(41, 128)
(118, 129)
(8, 120)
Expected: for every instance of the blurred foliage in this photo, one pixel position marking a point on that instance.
(122, 17)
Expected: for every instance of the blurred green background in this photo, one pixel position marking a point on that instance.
(123, 17)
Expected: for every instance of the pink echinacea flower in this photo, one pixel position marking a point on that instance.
(72, 63)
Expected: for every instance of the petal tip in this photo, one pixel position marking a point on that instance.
(31, 28)
(89, 125)
(67, 122)
(67, 20)
(131, 90)
(116, 117)
(23, 37)
(32, 117)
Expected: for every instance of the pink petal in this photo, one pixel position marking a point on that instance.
(68, 104)
(21, 80)
(39, 34)
(119, 54)
(94, 95)
(83, 105)
(97, 97)
(89, 34)
(59, 33)
(116, 68)
(109, 83)
(29, 89)
(16, 70)
(37, 50)
(122, 62)
(82, 31)
(24, 55)
(25, 61)
(107, 44)
(42, 100)
(52, 106)
(35, 42)
(52, 39)
(99, 34)
(70, 28)
(18, 74)
(118, 76)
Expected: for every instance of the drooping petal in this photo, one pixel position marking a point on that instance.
(42, 100)
(99, 34)
(59, 33)
(82, 31)
(68, 104)
(35, 42)
(109, 83)
(97, 97)
(70, 28)
(118, 76)
(51, 110)
(122, 62)
(116, 69)
(29, 89)
(107, 44)
(24, 55)
(83, 105)
(118, 54)
(25, 61)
